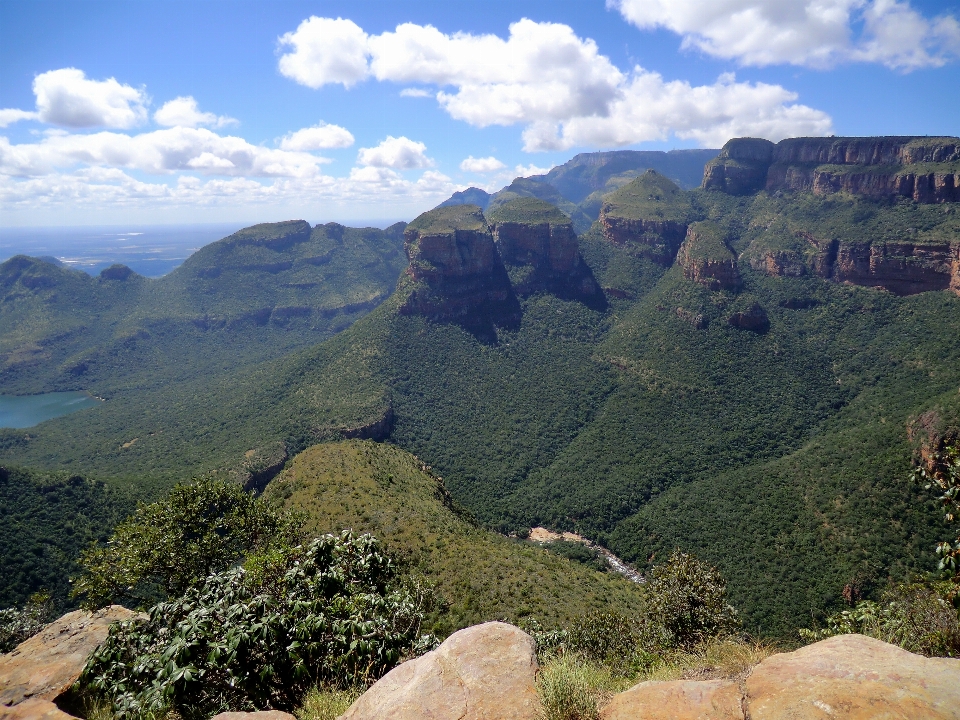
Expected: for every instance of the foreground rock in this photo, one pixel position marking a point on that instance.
(485, 672)
(849, 676)
(854, 677)
(46, 665)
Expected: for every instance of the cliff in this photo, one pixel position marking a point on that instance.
(455, 272)
(650, 214)
(706, 258)
(926, 169)
(538, 245)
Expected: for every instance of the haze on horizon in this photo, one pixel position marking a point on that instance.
(173, 112)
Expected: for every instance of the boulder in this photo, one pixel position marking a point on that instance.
(485, 672)
(46, 665)
(34, 709)
(856, 678)
(677, 700)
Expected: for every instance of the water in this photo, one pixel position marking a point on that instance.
(22, 411)
(151, 250)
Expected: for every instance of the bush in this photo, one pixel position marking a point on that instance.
(614, 640)
(918, 617)
(688, 599)
(572, 689)
(325, 614)
(16, 625)
(166, 547)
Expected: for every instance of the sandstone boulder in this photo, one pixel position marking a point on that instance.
(485, 672)
(47, 664)
(856, 678)
(677, 700)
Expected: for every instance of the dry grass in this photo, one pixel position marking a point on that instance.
(326, 704)
(718, 658)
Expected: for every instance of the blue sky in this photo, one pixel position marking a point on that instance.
(216, 111)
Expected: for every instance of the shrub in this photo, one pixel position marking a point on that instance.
(166, 547)
(571, 688)
(328, 613)
(16, 625)
(688, 599)
(614, 640)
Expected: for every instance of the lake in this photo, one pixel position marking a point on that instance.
(22, 411)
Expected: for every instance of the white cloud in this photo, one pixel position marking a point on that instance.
(415, 93)
(67, 98)
(530, 170)
(813, 33)
(481, 165)
(318, 137)
(9, 116)
(159, 152)
(560, 87)
(183, 112)
(325, 51)
(399, 153)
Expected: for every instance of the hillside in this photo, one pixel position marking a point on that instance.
(378, 488)
(761, 424)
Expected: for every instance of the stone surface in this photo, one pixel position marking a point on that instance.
(855, 678)
(677, 700)
(34, 709)
(754, 318)
(485, 672)
(46, 665)
(707, 260)
(261, 715)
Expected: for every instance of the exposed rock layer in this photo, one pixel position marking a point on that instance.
(707, 260)
(677, 700)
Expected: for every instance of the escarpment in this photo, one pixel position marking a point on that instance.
(455, 271)
(650, 214)
(706, 258)
(538, 245)
(925, 169)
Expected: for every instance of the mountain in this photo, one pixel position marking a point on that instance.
(764, 420)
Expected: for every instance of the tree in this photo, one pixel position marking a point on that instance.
(168, 546)
(942, 474)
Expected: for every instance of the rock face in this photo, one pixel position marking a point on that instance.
(485, 672)
(706, 259)
(754, 318)
(677, 700)
(46, 665)
(531, 233)
(854, 677)
(650, 214)
(455, 270)
(849, 676)
(922, 168)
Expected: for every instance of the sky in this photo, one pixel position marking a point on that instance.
(241, 111)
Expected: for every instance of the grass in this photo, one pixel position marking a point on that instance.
(527, 210)
(445, 220)
(326, 704)
(651, 196)
(705, 241)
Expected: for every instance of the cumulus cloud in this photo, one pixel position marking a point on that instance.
(323, 50)
(67, 98)
(558, 85)
(183, 112)
(319, 137)
(481, 165)
(812, 33)
(530, 170)
(415, 93)
(398, 153)
(9, 116)
(160, 152)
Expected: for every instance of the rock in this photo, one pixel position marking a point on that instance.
(706, 259)
(741, 166)
(455, 272)
(854, 677)
(260, 715)
(46, 665)
(903, 268)
(34, 709)
(485, 672)
(677, 700)
(754, 318)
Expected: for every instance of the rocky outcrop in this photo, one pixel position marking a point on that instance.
(649, 214)
(849, 676)
(532, 233)
(485, 672)
(455, 271)
(677, 700)
(44, 667)
(754, 319)
(706, 258)
(925, 169)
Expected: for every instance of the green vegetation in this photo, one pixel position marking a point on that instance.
(705, 241)
(537, 188)
(445, 220)
(169, 546)
(651, 196)
(527, 210)
(380, 489)
(328, 612)
(18, 624)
